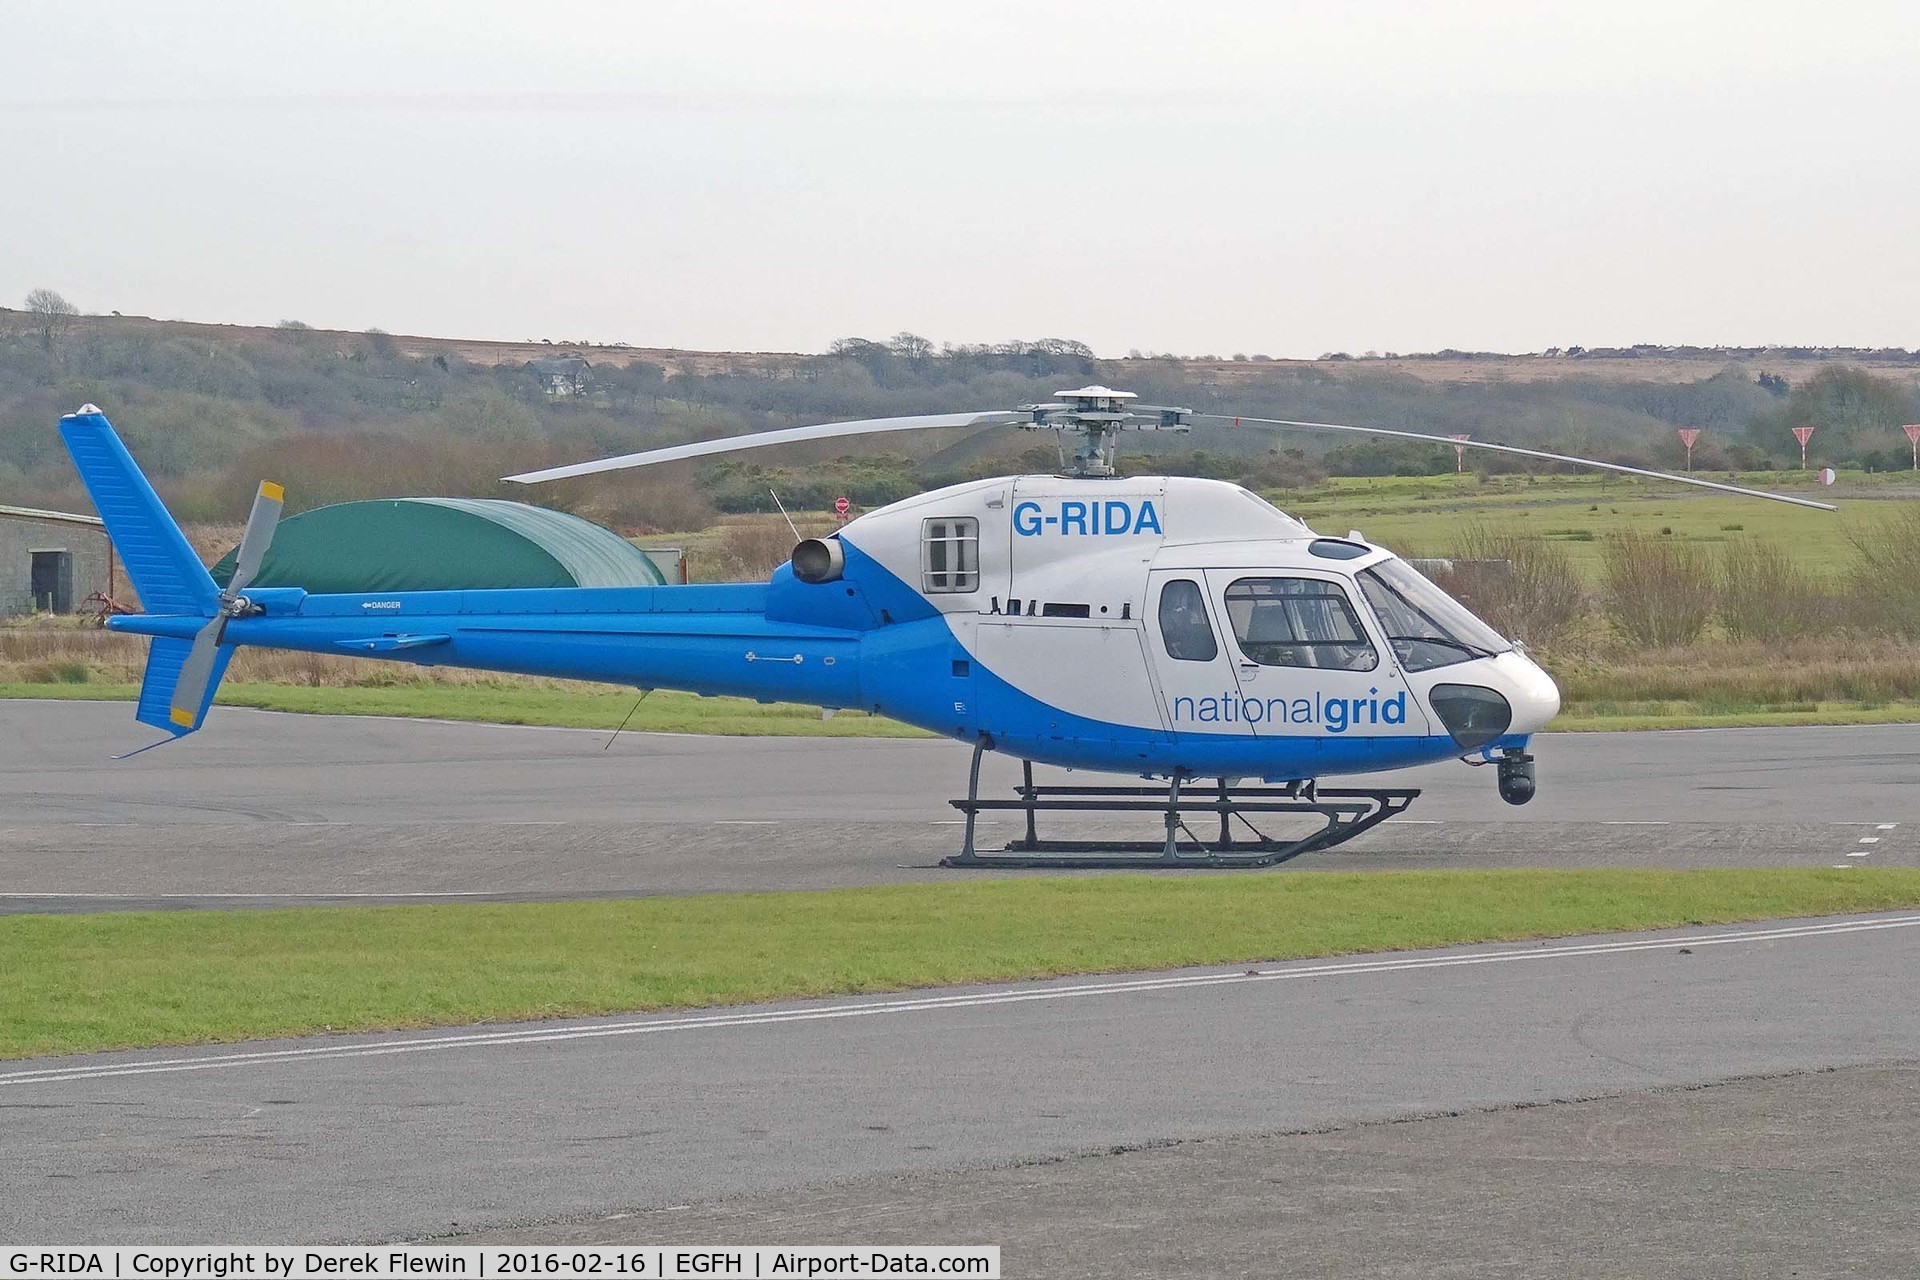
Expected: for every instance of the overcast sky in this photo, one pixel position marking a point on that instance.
(1287, 178)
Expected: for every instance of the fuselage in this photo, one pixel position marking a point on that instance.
(1145, 625)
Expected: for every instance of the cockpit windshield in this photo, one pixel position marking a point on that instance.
(1426, 627)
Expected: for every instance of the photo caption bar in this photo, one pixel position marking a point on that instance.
(494, 1262)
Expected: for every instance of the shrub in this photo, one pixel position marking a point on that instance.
(1886, 574)
(748, 550)
(1764, 596)
(1656, 590)
(1524, 586)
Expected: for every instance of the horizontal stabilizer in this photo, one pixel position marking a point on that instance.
(165, 658)
(387, 644)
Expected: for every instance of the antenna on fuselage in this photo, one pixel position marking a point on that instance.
(783, 511)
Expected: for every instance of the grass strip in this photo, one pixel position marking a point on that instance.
(662, 712)
(668, 712)
(1581, 720)
(72, 984)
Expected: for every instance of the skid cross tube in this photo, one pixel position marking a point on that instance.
(1344, 813)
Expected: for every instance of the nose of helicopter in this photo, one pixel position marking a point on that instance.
(1534, 696)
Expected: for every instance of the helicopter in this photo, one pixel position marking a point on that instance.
(1165, 627)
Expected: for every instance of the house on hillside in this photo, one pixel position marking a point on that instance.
(563, 375)
(51, 561)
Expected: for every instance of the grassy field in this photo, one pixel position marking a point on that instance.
(71, 984)
(1424, 515)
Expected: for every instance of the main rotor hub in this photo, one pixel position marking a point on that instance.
(1099, 414)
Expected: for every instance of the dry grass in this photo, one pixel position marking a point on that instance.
(64, 652)
(749, 548)
(1764, 595)
(1886, 575)
(1657, 590)
(1786, 674)
(1755, 634)
(1525, 586)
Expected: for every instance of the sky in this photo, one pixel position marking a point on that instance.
(1197, 178)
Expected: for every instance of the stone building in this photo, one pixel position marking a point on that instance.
(50, 561)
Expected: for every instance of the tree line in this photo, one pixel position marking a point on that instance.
(341, 417)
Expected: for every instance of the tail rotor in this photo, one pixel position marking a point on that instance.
(190, 690)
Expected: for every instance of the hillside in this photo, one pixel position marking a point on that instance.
(1637, 364)
(210, 408)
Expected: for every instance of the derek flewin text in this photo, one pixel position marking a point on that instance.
(278, 1262)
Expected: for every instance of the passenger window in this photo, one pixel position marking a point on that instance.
(1298, 622)
(950, 555)
(1184, 628)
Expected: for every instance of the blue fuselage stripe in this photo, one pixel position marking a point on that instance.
(887, 651)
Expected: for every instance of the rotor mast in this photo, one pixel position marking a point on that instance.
(1099, 415)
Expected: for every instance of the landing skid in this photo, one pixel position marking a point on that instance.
(1345, 813)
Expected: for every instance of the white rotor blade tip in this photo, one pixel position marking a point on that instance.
(1517, 451)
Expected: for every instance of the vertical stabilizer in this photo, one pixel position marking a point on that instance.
(158, 689)
(159, 560)
(169, 577)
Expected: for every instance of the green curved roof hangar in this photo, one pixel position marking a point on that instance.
(444, 544)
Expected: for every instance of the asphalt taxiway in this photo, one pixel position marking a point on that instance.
(267, 809)
(1065, 1120)
(1732, 1101)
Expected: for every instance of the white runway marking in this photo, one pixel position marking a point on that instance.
(903, 1005)
(1635, 822)
(1869, 839)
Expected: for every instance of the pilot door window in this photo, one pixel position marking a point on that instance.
(950, 555)
(1184, 628)
(1298, 622)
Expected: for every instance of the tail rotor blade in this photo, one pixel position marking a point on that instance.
(261, 522)
(190, 690)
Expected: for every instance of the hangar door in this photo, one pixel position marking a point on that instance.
(51, 581)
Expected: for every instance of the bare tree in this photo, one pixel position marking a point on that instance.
(52, 314)
(910, 346)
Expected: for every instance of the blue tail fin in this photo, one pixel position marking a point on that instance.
(169, 577)
(164, 659)
(166, 573)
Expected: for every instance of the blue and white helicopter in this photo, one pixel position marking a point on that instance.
(1162, 627)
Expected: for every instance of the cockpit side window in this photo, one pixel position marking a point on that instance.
(1426, 627)
(1298, 622)
(1184, 627)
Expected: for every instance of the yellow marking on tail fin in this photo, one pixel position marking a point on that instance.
(182, 718)
(268, 489)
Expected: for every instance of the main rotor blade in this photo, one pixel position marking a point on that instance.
(1622, 468)
(761, 439)
(190, 688)
(261, 522)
